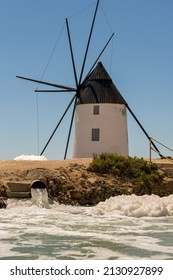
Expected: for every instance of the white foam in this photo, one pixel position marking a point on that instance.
(136, 206)
(111, 229)
(119, 206)
(30, 157)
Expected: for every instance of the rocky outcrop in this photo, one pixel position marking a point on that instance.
(75, 185)
(2, 203)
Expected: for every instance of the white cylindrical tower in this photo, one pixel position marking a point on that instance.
(100, 117)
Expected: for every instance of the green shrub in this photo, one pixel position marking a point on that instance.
(136, 169)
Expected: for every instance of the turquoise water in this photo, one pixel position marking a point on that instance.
(123, 227)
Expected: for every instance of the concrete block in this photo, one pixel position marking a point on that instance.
(18, 194)
(18, 186)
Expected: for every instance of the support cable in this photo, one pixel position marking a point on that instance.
(81, 11)
(111, 57)
(50, 57)
(106, 18)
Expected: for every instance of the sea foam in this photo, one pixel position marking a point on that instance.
(136, 206)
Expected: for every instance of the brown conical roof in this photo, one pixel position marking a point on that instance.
(99, 88)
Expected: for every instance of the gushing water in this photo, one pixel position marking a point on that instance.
(40, 197)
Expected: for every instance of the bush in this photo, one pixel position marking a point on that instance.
(136, 169)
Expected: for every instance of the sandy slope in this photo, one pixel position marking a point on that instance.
(12, 166)
(21, 165)
(9, 167)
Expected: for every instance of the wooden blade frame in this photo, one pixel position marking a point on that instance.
(46, 83)
(63, 88)
(58, 124)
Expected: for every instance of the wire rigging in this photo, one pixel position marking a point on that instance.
(112, 45)
(37, 95)
(106, 19)
(111, 56)
(81, 11)
(51, 55)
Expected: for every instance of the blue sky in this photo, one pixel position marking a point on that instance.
(139, 60)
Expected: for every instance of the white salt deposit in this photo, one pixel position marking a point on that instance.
(30, 157)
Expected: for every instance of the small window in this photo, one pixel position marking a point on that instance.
(95, 134)
(96, 110)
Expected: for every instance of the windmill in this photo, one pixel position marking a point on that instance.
(98, 107)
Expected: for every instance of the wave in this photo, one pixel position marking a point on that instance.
(124, 205)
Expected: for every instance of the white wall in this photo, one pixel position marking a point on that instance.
(112, 121)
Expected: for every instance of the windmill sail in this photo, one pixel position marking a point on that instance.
(99, 108)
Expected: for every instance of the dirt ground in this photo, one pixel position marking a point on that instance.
(10, 167)
(18, 166)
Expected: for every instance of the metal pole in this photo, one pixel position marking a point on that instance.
(71, 51)
(46, 83)
(58, 124)
(143, 129)
(89, 39)
(99, 56)
(150, 148)
(71, 123)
